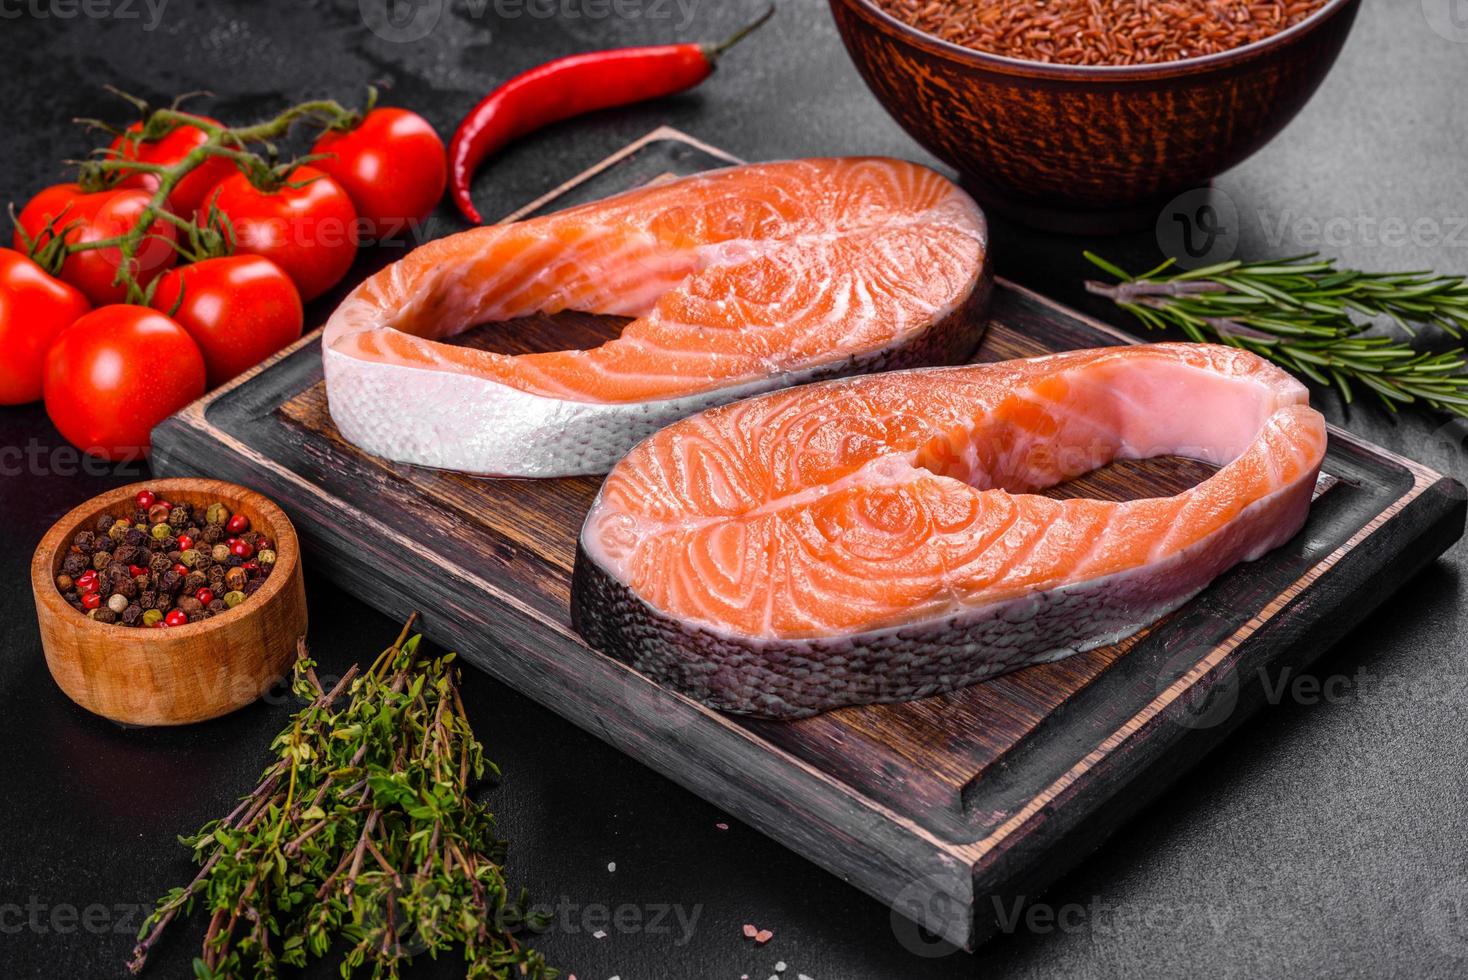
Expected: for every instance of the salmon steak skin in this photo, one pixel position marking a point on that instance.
(880, 538)
(739, 281)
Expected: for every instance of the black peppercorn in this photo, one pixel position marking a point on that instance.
(218, 606)
(213, 533)
(105, 522)
(170, 582)
(160, 564)
(164, 603)
(103, 615)
(74, 564)
(140, 516)
(191, 606)
(85, 542)
(134, 537)
(178, 518)
(132, 615)
(126, 587)
(252, 585)
(148, 599)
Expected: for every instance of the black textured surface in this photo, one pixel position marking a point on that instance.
(1325, 839)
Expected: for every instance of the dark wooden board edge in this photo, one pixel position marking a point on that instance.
(926, 877)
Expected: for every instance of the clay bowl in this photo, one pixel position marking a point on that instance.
(1088, 148)
(181, 674)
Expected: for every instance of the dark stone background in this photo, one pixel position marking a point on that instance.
(1324, 839)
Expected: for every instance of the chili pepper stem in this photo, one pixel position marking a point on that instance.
(714, 50)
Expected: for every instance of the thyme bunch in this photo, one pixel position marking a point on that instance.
(1302, 313)
(362, 835)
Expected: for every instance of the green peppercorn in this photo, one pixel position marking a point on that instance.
(232, 599)
(151, 616)
(159, 532)
(189, 558)
(116, 531)
(266, 557)
(117, 603)
(101, 560)
(216, 514)
(220, 553)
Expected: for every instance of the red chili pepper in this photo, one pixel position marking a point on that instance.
(572, 86)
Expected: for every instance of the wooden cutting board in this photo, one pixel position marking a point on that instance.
(946, 808)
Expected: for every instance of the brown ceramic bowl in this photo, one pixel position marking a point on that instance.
(181, 674)
(1088, 148)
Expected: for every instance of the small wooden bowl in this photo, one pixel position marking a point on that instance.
(181, 674)
(1088, 148)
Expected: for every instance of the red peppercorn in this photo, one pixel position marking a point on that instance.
(251, 566)
(238, 524)
(205, 596)
(176, 617)
(91, 600)
(181, 568)
(241, 548)
(185, 542)
(88, 582)
(136, 570)
(146, 499)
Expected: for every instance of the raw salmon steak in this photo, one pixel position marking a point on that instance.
(740, 281)
(879, 538)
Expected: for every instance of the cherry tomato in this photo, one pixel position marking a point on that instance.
(34, 308)
(310, 230)
(117, 372)
(83, 217)
(189, 192)
(239, 310)
(392, 166)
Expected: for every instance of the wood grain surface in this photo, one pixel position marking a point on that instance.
(935, 806)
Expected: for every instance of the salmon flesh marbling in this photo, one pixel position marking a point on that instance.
(739, 281)
(879, 538)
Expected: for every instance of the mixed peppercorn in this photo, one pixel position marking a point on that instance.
(164, 564)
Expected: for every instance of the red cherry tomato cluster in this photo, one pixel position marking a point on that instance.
(110, 370)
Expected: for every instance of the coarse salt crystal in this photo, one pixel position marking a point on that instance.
(749, 931)
(611, 865)
(722, 826)
(600, 934)
(763, 936)
(780, 967)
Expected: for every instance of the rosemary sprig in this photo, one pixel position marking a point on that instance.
(1301, 313)
(362, 831)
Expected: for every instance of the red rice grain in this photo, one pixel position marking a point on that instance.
(1101, 32)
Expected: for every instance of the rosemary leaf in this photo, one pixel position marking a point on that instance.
(1312, 318)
